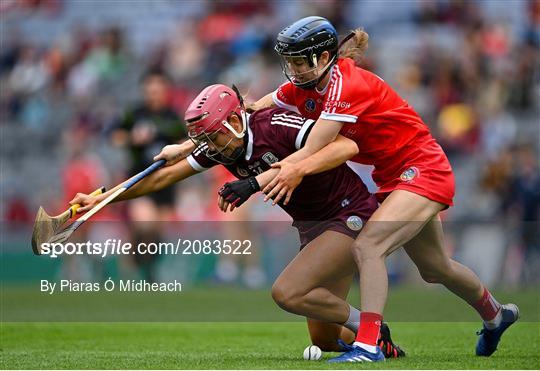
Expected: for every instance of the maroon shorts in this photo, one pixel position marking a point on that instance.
(348, 221)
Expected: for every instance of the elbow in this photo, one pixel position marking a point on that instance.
(351, 150)
(345, 147)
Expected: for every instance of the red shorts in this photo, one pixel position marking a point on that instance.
(426, 172)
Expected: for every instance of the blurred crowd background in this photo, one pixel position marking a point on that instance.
(80, 81)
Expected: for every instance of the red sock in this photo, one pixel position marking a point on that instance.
(370, 326)
(487, 306)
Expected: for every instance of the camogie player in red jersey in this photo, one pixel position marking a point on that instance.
(316, 282)
(412, 172)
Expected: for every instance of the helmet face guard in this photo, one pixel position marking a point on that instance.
(206, 142)
(208, 116)
(307, 38)
(297, 78)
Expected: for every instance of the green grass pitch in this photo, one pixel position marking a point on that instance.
(230, 343)
(244, 345)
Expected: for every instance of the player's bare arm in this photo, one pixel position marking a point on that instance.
(264, 102)
(162, 178)
(329, 157)
(290, 175)
(174, 153)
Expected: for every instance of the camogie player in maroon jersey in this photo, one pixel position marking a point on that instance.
(328, 209)
(414, 176)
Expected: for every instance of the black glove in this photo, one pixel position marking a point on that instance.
(238, 192)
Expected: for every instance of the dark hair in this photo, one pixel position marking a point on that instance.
(154, 72)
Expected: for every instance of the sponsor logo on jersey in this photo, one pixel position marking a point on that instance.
(354, 223)
(409, 174)
(270, 158)
(310, 105)
(242, 172)
(337, 104)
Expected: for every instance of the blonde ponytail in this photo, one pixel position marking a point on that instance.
(355, 47)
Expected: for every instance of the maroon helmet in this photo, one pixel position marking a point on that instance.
(208, 115)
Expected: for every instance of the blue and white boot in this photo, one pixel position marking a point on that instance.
(354, 353)
(489, 339)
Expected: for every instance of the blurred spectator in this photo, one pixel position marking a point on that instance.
(185, 53)
(17, 212)
(497, 176)
(29, 73)
(83, 172)
(107, 60)
(457, 128)
(524, 196)
(144, 130)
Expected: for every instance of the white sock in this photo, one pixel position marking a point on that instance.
(353, 322)
(369, 348)
(495, 322)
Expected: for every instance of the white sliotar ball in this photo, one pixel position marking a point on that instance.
(312, 353)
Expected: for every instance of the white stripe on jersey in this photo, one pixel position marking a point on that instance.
(282, 104)
(278, 122)
(287, 118)
(340, 84)
(249, 149)
(201, 148)
(333, 82)
(302, 133)
(341, 117)
(336, 91)
(194, 164)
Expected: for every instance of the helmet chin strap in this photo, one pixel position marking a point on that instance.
(327, 67)
(238, 151)
(241, 133)
(312, 84)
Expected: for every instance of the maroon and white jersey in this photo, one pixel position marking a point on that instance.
(272, 135)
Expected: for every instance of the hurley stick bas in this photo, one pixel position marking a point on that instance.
(65, 233)
(46, 226)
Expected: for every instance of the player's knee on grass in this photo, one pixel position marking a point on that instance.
(326, 344)
(326, 335)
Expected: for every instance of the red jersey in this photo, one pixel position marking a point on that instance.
(386, 128)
